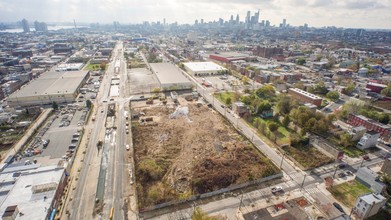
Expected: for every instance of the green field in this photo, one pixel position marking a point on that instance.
(223, 96)
(92, 67)
(348, 192)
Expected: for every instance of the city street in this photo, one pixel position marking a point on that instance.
(82, 207)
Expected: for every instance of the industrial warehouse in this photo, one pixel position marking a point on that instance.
(170, 77)
(60, 87)
(204, 68)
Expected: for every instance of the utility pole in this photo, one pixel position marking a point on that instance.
(302, 184)
(335, 171)
(241, 201)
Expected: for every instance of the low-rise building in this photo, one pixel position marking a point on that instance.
(170, 77)
(369, 178)
(376, 87)
(60, 87)
(368, 205)
(35, 191)
(304, 96)
(368, 140)
(204, 68)
(357, 132)
(239, 108)
(360, 120)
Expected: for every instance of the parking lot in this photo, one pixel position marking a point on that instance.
(142, 81)
(58, 133)
(61, 137)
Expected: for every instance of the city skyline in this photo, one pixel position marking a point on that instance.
(349, 13)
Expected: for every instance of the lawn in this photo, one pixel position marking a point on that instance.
(350, 151)
(222, 97)
(348, 192)
(307, 156)
(92, 67)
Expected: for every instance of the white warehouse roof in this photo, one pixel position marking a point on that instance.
(203, 66)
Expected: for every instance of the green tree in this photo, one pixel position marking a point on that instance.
(245, 80)
(156, 90)
(228, 101)
(54, 105)
(283, 105)
(345, 140)
(300, 61)
(286, 120)
(266, 92)
(349, 88)
(263, 106)
(273, 127)
(262, 127)
(333, 95)
(387, 91)
(320, 88)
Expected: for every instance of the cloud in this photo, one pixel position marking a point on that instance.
(368, 13)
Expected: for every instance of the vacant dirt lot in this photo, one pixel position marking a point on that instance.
(184, 156)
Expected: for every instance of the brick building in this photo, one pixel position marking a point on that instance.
(376, 87)
(371, 125)
(304, 96)
(267, 52)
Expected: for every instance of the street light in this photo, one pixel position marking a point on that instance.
(282, 159)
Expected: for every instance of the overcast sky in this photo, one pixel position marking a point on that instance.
(340, 13)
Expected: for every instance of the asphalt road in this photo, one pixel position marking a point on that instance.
(84, 199)
(114, 189)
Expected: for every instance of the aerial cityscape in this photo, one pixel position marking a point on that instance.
(201, 110)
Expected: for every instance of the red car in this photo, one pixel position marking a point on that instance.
(366, 157)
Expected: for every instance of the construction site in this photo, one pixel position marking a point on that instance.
(190, 149)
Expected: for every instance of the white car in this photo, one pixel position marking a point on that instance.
(277, 189)
(127, 147)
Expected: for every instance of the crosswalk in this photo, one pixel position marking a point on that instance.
(312, 189)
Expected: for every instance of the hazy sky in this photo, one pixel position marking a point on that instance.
(340, 13)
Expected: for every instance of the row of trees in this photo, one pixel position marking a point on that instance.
(310, 121)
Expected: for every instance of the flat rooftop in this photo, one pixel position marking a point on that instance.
(305, 93)
(167, 73)
(52, 83)
(32, 191)
(230, 55)
(204, 66)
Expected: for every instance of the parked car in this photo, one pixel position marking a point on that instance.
(341, 165)
(277, 189)
(339, 207)
(127, 147)
(341, 175)
(366, 157)
(349, 173)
